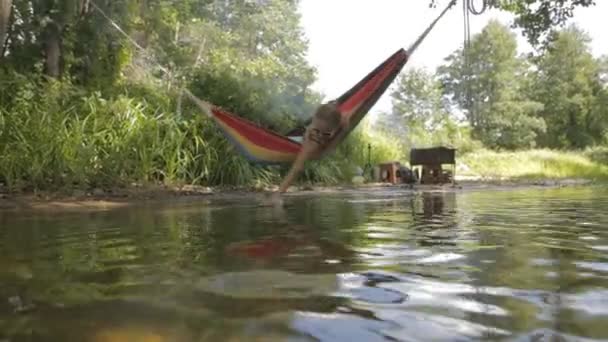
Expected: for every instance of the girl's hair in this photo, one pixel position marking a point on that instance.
(329, 113)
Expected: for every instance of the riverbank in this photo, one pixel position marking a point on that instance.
(487, 170)
(98, 199)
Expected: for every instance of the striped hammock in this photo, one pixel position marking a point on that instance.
(264, 146)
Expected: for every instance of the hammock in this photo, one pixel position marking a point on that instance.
(263, 146)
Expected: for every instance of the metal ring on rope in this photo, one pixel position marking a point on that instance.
(473, 9)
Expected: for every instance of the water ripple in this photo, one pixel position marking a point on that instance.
(396, 265)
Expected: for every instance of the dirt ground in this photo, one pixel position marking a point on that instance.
(98, 199)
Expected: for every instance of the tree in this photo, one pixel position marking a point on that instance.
(536, 18)
(238, 51)
(417, 102)
(245, 56)
(569, 84)
(599, 113)
(419, 114)
(258, 66)
(67, 38)
(486, 82)
(5, 15)
(603, 70)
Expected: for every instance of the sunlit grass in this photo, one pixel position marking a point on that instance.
(536, 164)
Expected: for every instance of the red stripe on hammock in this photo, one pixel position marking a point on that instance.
(372, 84)
(257, 135)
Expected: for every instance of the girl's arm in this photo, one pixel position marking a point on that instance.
(296, 168)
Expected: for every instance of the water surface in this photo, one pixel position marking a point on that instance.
(392, 265)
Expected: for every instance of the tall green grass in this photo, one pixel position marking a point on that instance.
(54, 135)
(352, 154)
(591, 164)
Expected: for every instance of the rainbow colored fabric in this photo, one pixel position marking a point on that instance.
(263, 146)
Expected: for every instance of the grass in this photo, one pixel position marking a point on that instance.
(590, 164)
(55, 136)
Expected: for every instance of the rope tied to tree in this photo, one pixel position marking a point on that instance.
(484, 5)
(468, 8)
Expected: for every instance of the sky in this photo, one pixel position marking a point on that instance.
(348, 38)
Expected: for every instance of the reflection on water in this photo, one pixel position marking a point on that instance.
(381, 266)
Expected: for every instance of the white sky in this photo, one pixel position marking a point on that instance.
(348, 38)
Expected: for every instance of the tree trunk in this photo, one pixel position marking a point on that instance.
(52, 48)
(143, 35)
(5, 15)
(83, 7)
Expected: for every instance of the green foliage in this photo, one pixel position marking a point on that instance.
(487, 83)
(417, 103)
(56, 136)
(341, 165)
(557, 99)
(421, 117)
(87, 48)
(597, 154)
(108, 115)
(238, 55)
(536, 18)
(568, 83)
(112, 117)
(354, 149)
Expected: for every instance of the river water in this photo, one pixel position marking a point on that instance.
(388, 265)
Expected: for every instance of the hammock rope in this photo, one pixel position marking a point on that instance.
(428, 30)
(468, 8)
(145, 53)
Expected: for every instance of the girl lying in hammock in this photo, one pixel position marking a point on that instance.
(326, 123)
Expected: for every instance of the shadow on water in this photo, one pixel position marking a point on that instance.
(391, 265)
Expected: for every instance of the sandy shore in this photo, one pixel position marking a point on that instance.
(98, 199)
